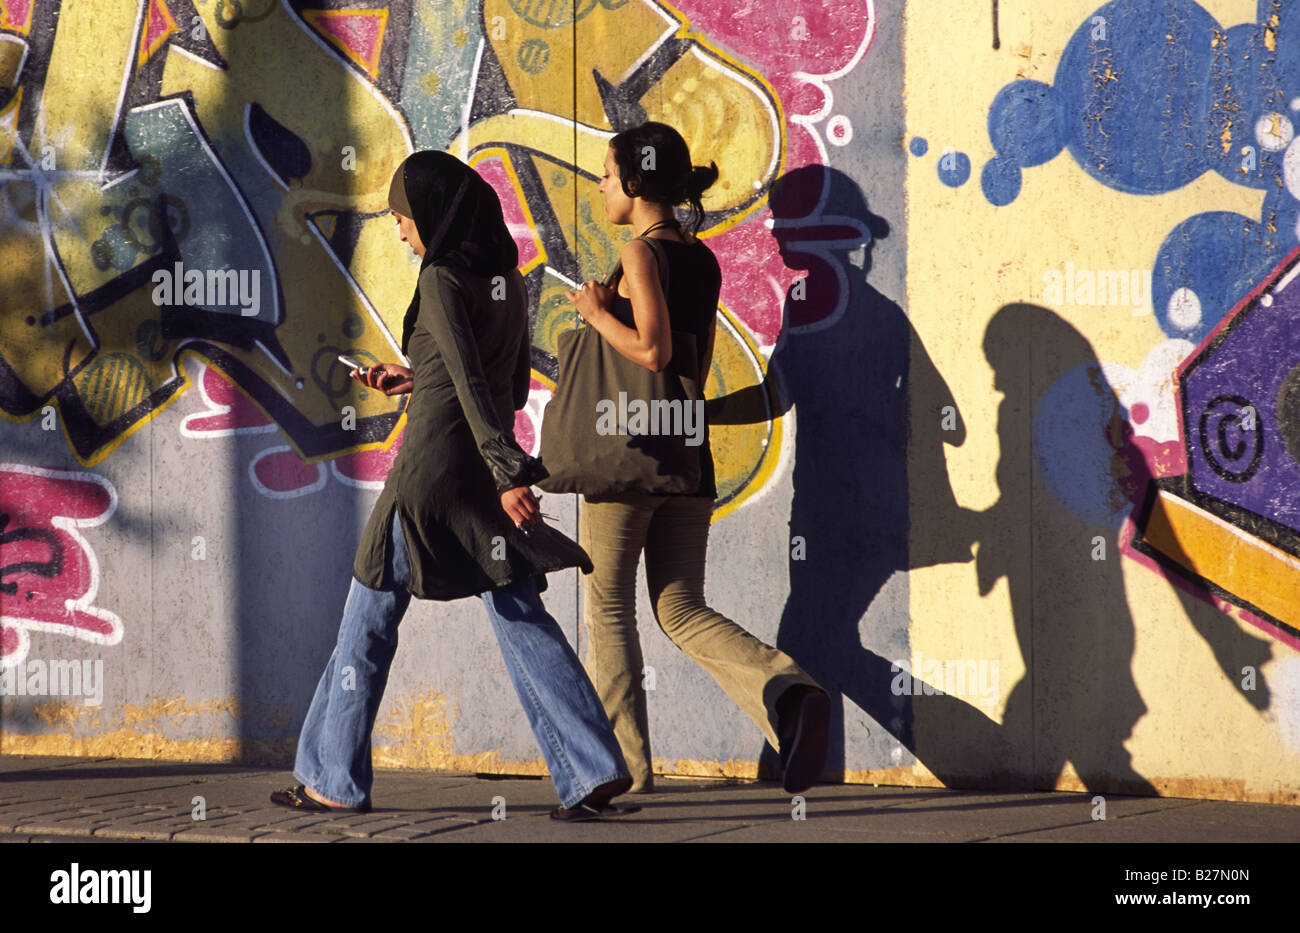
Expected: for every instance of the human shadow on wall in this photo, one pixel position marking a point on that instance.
(1071, 450)
(1067, 476)
(1066, 451)
(850, 375)
(1240, 656)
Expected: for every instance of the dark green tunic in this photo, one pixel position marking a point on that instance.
(470, 353)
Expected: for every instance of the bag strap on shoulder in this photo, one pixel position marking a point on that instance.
(661, 260)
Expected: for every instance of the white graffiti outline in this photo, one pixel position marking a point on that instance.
(819, 81)
(214, 408)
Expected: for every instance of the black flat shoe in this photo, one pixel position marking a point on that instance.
(596, 805)
(295, 798)
(584, 813)
(803, 747)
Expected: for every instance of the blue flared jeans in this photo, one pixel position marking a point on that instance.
(563, 710)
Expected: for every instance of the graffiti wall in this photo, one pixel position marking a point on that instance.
(1004, 398)
(1106, 213)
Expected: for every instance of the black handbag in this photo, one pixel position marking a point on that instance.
(614, 427)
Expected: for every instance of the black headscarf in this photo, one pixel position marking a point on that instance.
(457, 215)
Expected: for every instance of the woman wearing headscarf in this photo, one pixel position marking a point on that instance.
(457, 517)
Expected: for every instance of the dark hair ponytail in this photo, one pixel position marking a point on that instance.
(654, 163)
(700, 179)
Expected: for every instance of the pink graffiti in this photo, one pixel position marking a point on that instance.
(1163, 458)
(49, 576)
(528, 420)
(16, 14)
(277, 472)
(494, 173)
(758, 277)
(228, 410)
(799, 47)
(367, 468)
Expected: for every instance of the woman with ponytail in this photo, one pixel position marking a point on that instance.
(457, 516)
(648, 172)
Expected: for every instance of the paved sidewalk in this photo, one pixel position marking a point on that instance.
(84, 800)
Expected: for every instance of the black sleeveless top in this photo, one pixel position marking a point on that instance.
(694, 282)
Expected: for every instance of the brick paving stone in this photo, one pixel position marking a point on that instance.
(213, 834)
(24, 799)
(162, 833)
(226, 814)
(286, 820)
(371, 828)
(293, 837)
(439, 818)
(84, 824)
(358, 821)
(114, 808)
(58, 829)
(78, 813)
(255, 820)
(404, 833)
(16, 816)
(169, 823)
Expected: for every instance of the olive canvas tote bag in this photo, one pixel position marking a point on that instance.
(613, 426)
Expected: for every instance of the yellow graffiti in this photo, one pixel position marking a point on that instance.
(75, 227)
(81, 207)
(321, 299)
(726, 114)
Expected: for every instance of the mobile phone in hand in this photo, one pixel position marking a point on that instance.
(350, 363)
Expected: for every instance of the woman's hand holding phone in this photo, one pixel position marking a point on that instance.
(592, 300)
(389, 378)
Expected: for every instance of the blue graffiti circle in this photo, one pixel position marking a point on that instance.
(1001, 181)
(954, 168)
(1027, 123)
(354, 326)
(1204, 266)
(918, 146)
(1134, 78)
